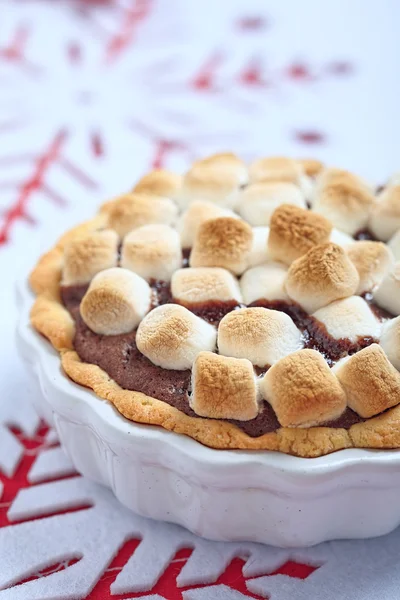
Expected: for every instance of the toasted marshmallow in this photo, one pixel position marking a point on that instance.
(372, 261)
(134, 210)
(115, 302)
(171, 337)
(223, 242)
(214, 180)
(395, 179)
(281, 169)
(394, 245)
(344, 202)
(261, 335)
(321, 276)
(259, 249)
(303, 391)
(223, 388)
(350, 319)
(390, 341)
(266, 282)
(204, 284)
(387, 294)
(370, 381)
(152, 251)
(311, 166)
(275, 168)
(159, 183)
(334, 175)
(229, 161)
(106, 206)
(340, 238)
(258, 201)
(384, 220)
(89, 254)
(293, 231)
(197, 213)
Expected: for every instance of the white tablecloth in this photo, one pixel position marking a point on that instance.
(92, 94)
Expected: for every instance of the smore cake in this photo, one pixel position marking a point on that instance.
(252, 307)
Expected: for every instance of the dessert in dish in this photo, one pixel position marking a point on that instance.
(248, 307)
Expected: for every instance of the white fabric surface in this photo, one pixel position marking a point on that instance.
(91, 95)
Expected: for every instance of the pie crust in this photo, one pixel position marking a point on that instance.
(293, 237)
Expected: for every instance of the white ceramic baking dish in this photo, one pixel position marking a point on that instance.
(223, 495)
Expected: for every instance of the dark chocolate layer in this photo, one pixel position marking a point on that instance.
(365, 235)
(315, 335)
(120, 358)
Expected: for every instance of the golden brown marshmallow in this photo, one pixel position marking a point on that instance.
(115, 302)
(159, 183)
(344, 200)
(197, 213)
(89, 254)
(390, 341)
(387, 295)
(131, 211)
(282, 169)
(223, 242)
(264, 282)
(106, 206)
(334, 175)
(384, 219)
(257, 202)
(261, 335)
(293, 231)
(311, 166)
(228, 161)
(275, 168)
(221, 158)
(204, 284)
(370, 381)
(372, 261)
(152, 251)
(321, 276)
(303, 391)
(215, 180)
(171, 337)
(223, 388)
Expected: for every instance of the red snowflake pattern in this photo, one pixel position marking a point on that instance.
(166, 585)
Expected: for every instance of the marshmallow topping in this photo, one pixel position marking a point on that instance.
(223, 242)
(115, 302)
(204, 284)
(134, 210)
(171, 337)
(321, 276)
(152, 251)
(293, 231)
(302, 390)
(370, 381)
(223, 388)
(87, 255)
(261, 335)
(265, 282)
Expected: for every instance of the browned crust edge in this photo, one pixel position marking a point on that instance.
(50, 318)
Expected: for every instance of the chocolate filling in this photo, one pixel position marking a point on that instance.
(185, 256)
(365, 234)
(122, 361)
(212, 312)
(315, 335)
